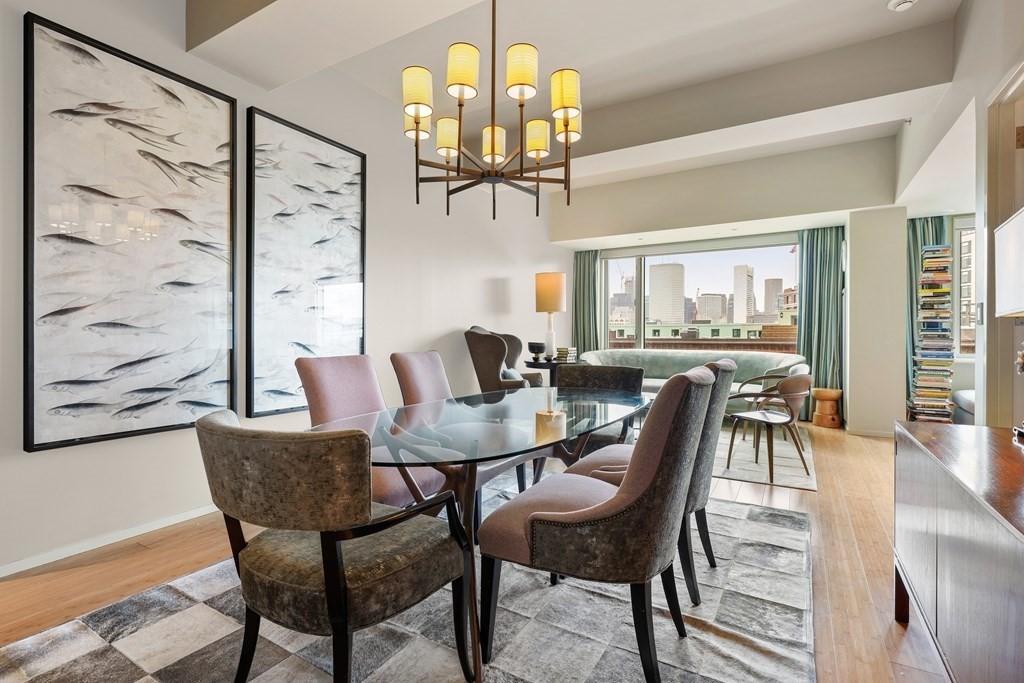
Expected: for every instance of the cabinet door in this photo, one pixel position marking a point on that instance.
(915, 520)
(980, 590)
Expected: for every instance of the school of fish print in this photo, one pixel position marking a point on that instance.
(306, 271)
(131, 308)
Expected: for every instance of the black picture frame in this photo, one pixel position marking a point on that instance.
(31, 432)
(254, 193)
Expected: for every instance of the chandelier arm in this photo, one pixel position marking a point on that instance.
(522, 142)
(537, 194)
(416, 152)
(534, 179)
(568, 172)
(447, 167)
(549, 166)
(528, 190)
(458, 157)
(473, 159)
(448, 179)
(510, 159)
(467, 186)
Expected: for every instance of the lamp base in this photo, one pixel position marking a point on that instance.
(549, 338)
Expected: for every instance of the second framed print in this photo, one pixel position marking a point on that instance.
(306, 246)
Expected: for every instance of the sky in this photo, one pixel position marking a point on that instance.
(711, 271)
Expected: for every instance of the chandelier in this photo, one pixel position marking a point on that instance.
(464, 170)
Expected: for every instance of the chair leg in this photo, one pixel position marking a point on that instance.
(460, 602)
(757, 441)
(538, 469)
(249, 639)
(771, 454)
(668, 582)
(521, 476)
(477, 515)
(732, 440)
(342, 646)
(784, 437)
(490, 577)
(685, 546)
(705, 536)
(744, 437)
(796, 435)
(799, 446)
(643, 623)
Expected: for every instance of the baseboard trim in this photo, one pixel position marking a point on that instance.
(100, 541)
(868, 432)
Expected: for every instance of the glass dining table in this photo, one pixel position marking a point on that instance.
(468, 431)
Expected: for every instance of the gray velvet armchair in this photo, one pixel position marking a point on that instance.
(330, 561)
(592, 530)
(493, 353)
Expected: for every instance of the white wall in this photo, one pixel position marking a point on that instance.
(428, 278)
(876, 323)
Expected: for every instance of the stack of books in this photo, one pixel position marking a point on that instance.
(565, 354)
(933, 353)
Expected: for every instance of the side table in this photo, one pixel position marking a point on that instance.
(550, 365)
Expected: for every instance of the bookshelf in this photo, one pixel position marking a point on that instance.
(933, 347)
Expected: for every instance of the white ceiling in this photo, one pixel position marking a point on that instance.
(630, 49)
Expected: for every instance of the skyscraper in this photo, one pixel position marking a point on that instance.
(743, 293)
(772, 291)
(690, 311)
(712, 307)
(668, 300)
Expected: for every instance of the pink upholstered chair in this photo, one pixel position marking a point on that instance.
(340, 387)
(611, 462)
(592, 530)
(789, 395)
(423, 380)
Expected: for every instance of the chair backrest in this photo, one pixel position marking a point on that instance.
(704, 466)
(615, 377)
(310, 481)
(421, 376)
(338, 387)
(491, 353)
(794, 391)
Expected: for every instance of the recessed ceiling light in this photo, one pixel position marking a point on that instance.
(900, 5)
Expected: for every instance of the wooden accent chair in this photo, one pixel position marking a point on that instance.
(789, 394)
(494, 355)
(592, 530)
(340, 387)
(422, 379)
(768, 384)
(330, 562)
(610, 464)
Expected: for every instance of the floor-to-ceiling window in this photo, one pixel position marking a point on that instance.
(717, 294)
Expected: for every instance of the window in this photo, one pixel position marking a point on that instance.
(683, 300)
(964, 242)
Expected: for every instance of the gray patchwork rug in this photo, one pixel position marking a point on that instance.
(754, 624)
(788, 469)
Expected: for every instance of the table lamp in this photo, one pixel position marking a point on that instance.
(550, 300)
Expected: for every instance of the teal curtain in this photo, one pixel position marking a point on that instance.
(820, 306)
(921, 232)
(584, 300)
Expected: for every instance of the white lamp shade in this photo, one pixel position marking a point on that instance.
(550, 292)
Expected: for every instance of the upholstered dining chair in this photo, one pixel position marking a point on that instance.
(789, 394)
(589, 529)
(340, 387)
(330, 561)
(494, 358)
(422, 379)
(610, 464)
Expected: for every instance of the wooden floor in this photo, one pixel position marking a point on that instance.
(855, 636)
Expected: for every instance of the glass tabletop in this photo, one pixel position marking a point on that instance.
(484, 427)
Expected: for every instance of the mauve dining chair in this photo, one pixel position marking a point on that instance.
(340, 387)
(592, 530)
(609, 464)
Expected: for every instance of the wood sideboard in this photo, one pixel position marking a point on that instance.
(959, 541)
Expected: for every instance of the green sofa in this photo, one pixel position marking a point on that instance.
(661, 364)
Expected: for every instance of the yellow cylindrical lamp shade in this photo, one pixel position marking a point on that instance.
(521, 62)
(499, 145)
(565, 94)
(463, 70)
(448, 137)
(550, 292)
(417, 91)
(575, 129)
(410, 127)
(538, 138)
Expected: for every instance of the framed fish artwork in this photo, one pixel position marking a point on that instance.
(306, 251)
(129, 223)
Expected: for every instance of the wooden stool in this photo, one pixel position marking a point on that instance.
(826, 407)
